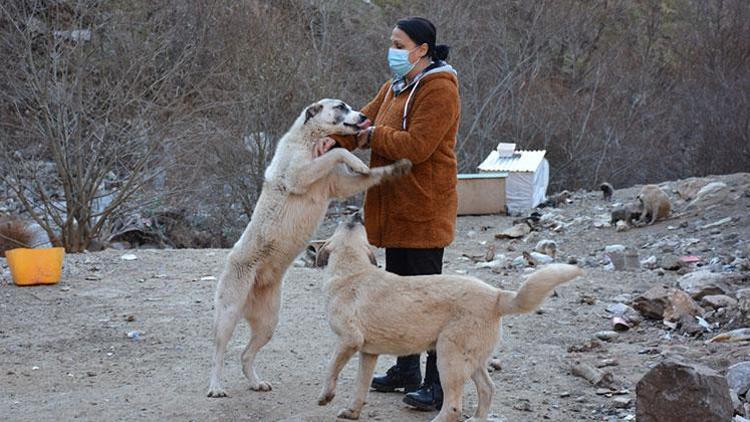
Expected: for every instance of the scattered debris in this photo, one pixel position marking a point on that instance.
(671, 262)
(547, 247)
(518, 230)
(129, 257)
(740, 334)
(592, 374)
(606, 335)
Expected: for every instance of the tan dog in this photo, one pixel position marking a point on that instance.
(295, 196)
(376, 312)
(654, 204)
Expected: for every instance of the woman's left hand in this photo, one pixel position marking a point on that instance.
(363, 138)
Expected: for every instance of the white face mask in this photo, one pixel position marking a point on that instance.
(398, 61)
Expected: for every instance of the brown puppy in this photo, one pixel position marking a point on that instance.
(654, 204)
(375, 312)
(607, 191)
(627, 213)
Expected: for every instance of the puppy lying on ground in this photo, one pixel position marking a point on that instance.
(374, 312)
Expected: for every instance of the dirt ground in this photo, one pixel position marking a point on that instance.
(65, 353)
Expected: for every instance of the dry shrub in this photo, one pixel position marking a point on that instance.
(14, 233)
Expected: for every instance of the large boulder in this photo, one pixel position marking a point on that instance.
(677, 392)
(710, 194)
(661, 302)
(738, 377)
(688, 189)
(704, 283)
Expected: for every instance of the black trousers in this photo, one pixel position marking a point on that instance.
(408, 261)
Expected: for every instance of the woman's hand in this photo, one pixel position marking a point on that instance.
(363, 138)
(322, 146)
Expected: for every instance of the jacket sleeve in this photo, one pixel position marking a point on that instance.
(370, 110)
(432, 113)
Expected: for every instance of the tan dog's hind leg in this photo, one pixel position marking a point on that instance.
(485, 391)
(453, 374)
(230, 299)
(262, 313)
(364, 378)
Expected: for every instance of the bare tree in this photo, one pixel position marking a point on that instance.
(100, 101)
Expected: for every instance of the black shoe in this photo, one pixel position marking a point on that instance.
(428, 397)
(398, 378)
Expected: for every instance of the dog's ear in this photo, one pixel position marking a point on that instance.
(312, 110)
(321, 258)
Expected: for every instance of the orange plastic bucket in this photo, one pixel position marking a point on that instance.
(35, 266)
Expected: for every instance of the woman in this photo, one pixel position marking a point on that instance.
(415, 115)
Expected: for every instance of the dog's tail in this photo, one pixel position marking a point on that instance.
(536, 288)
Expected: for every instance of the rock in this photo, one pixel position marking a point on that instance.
(677, 392)
(120, 245)
(740, 334)
(718, 301)
(595, 376)
(519, 261)
(738, 377)
(622, 258)
(652, 303)
(621, 402)
(129, 257)
(703, 283)
(606, 335)
(661, 302)
(681, 307)
(621, 226)
(547, 247)
(688, 189)
(614, 249)
(710, 194)
(540, 258)
(518, 230)
(671, 262)
(495, 364)
(649, 263)
(718, 223)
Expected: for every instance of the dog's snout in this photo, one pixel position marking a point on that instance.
(362, 118)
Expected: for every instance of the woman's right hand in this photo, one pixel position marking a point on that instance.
(322, 146)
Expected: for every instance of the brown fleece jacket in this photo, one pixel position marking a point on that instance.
(419, 209)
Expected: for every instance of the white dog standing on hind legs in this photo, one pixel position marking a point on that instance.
(375, 312)
(295, 196)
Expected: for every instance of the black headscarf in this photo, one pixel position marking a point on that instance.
(422, 31)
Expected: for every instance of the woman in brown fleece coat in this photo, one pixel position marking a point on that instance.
(415, 116)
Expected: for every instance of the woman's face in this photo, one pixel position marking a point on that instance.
(401, 41)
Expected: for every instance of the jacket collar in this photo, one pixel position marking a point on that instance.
(400, 85)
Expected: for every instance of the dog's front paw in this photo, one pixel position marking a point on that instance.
(348, 414)
(401, 167)
(361, 169)
(260, 386)
(326, 397)
(216, 392)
